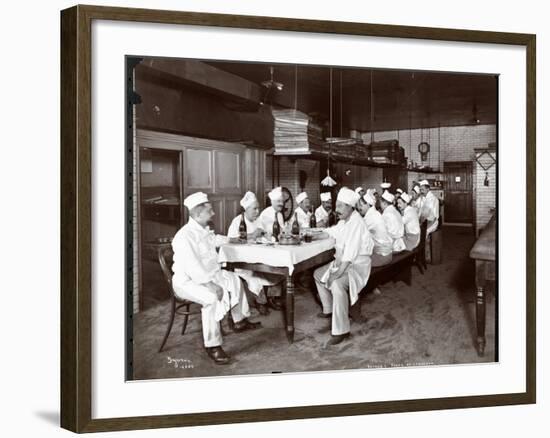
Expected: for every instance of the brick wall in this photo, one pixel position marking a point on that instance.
(452, 143)
(485, 199)
(455, 143)
(289, 171)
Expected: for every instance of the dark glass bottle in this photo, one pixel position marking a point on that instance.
(331, 219)
(276, 228)
(295, 225)
(242, 229)
(312, 220)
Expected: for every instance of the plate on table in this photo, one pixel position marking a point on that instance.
(289, 240)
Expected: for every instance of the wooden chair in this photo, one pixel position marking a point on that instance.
(177, 305)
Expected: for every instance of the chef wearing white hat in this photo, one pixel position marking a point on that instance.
(198, 277)
(410, 222)
(383, 243)
(268, 215)
(340, 281)
(416, 202)
(360, 191)
(255, 281)
(302, 212)
(430, 207)
(393, 221)
(322, 212)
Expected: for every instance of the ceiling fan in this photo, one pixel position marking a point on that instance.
(270, 85)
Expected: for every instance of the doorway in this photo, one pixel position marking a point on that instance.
(458, 192)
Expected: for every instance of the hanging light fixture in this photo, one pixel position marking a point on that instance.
(328, 181)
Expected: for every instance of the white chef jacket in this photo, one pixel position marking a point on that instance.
(417, 204)
(354, 244)
(430, 211)
(267, 217)
(412, 228)
(321, 215)
(251, 226)
(383, 243)
(394, 227)
(196, 263)
(254, 280)
(303, 217)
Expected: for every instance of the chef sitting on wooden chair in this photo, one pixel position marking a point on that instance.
(198, 277)
(340, 281)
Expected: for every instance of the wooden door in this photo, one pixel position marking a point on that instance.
(458, 192)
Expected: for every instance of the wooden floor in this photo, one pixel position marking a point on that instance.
(430, 322)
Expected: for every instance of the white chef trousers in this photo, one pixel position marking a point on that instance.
(256, 282)
(335, 300)
(212, 308)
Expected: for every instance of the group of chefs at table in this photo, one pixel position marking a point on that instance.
(368, 229)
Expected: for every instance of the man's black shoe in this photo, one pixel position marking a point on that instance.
(324, 315)
(336, 339)
(245, 324)
(217, 355)
(262, 309)
(274, 303)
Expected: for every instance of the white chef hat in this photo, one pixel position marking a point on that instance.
(424, 182)
(301, 197)
(388, 196)
(406, 197)
(348, 196)
(276, 193)
(385, 185)
(417, 189)
(358, 189)
(326, 196)
(399, 191)
(248, 199)
(369, 198)
(195, 199)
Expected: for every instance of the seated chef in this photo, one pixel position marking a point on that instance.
(393, 221)
(198, 277)
(383, 243)
(322, 213)
(267, 218)
(302, 212)
(340, 281)
(254, 280)
(274, 211)
(410, 222)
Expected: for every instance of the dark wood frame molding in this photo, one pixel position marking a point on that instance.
(76, 176)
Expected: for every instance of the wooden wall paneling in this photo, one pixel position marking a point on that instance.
(228, 172)
(198, 170)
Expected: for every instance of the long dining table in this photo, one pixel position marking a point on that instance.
(284, 260)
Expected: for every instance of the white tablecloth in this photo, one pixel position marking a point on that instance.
(277, 255)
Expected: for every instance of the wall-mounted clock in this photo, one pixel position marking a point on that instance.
(424, 149)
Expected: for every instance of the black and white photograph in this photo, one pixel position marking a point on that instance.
(292, 218)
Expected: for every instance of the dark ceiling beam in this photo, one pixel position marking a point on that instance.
(201, 76)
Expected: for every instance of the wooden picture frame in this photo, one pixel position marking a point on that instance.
(76, 217)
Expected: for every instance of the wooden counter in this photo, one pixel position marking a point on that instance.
(484, 254)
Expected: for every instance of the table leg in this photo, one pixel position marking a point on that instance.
(289, 309)
(480, 307)
(480, 319)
